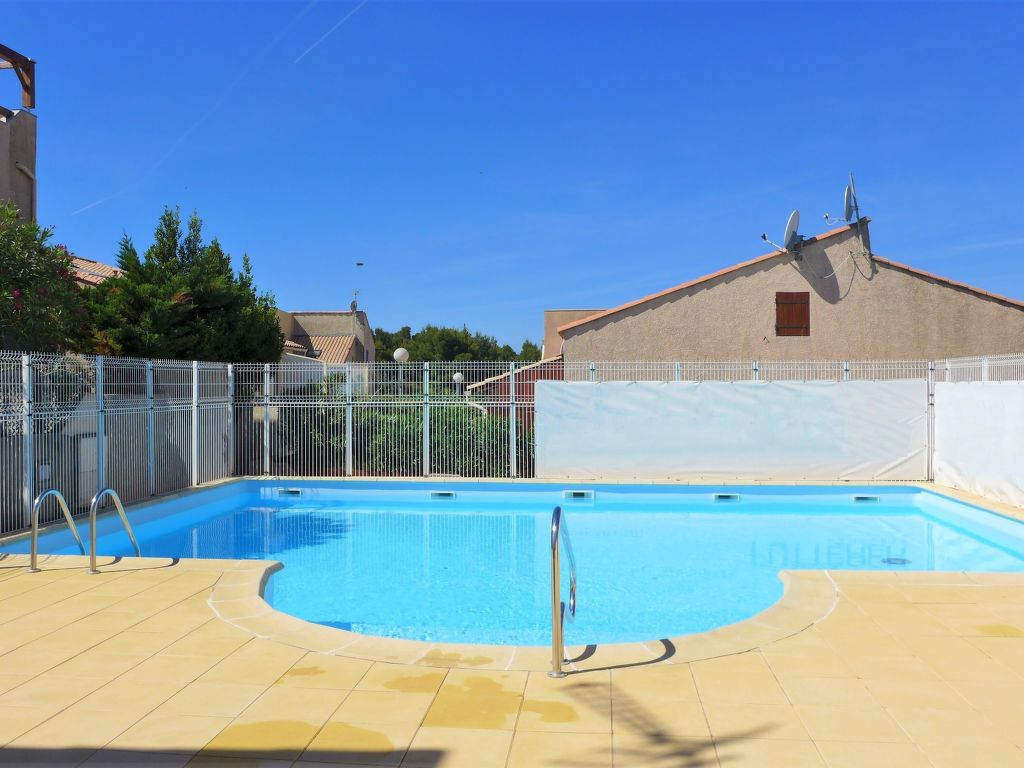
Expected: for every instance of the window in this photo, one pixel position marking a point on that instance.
(793, 314)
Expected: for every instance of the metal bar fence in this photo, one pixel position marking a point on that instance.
(158, 426)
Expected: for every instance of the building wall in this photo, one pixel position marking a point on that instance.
(18, 146)
(333, 324)
(866, 310)
(553, 318)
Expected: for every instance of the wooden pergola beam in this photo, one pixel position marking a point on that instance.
(25, 69)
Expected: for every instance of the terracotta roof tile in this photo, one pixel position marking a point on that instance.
(947, 281)
(92, 272)
(703, 279)
(333, 349)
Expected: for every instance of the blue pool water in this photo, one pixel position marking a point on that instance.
(387, 559)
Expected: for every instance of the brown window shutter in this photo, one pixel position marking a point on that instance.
(793, 313)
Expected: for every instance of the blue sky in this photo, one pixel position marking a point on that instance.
(490, 160)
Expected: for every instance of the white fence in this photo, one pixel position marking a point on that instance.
(717, 431)
(147, 427)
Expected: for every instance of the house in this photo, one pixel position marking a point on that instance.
(828, 298)
(18, 138)
(330, 338)
(89, 272)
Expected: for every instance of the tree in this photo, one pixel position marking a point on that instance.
(437, 343)
(41, 307)
(182, 300)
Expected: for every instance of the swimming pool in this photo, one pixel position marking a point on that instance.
(400, 559)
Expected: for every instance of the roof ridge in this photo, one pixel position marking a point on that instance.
(948, 281)
(705, 278)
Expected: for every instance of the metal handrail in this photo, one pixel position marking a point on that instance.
(36, 506)
(559, 527)
(92, 525)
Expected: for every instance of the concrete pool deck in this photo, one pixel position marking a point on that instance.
(157, 663)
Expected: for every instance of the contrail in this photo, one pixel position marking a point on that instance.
(330, 31)
(206, 115)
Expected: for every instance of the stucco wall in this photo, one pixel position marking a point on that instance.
(18, 145)
(336, 324)
(553, 318)
(866, 310)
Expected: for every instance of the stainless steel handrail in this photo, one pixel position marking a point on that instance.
(36, 506)
(560, 528)
(92, 524)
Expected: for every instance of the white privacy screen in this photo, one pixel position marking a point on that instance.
(783, 430)
(979, 438)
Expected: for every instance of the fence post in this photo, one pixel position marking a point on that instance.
(426, 419)
(679, 371)
(266, 418)
(150, 432)
(593, 372)
(231, 420)
(846, 370)
(28, 458)
(348, 420)
(755, 371)
(195, 424)
(931, 420)
(101, 428)
(512, 465)
(984, 369)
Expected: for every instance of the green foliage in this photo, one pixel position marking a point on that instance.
(41, 307)
(436, 343)
(465, 440)
(182, 300)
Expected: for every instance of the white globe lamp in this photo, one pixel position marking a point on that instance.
(401, 355)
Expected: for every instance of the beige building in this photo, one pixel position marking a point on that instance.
(18, 138)
(829, 299)
(327, 337)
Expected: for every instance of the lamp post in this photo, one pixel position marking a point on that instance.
(401, 355)
(458, 378)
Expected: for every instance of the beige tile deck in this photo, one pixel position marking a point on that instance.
(164, 664)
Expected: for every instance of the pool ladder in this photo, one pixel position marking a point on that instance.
(559, 528)
(93, 507)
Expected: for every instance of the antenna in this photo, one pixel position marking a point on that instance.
(851, 210)
(791, 238)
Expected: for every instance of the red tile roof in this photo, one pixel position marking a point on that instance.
(333, 349)
(946, 281)
(704, 279)
(92, 272)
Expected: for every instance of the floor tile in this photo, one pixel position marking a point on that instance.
(536, 749)
(754, 721)
(171, 732)
(849, 723)
(370, 743)
(849, 754)
(458, 748)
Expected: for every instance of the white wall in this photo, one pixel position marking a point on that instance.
(979, 438)
(783, 430)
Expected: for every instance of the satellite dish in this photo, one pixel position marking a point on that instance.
(848, 203)
(791, 238)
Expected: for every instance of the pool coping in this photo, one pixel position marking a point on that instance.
(809, 596)
(237, 598)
